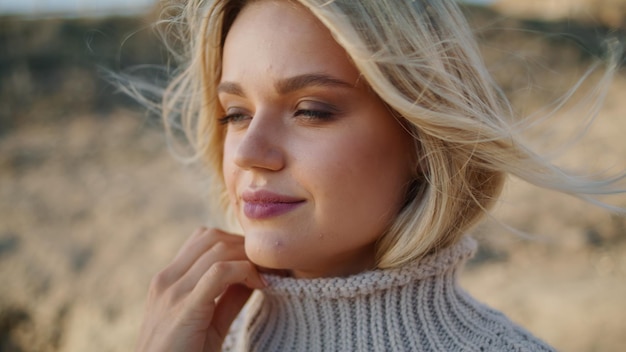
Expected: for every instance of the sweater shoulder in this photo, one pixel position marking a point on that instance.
(494, 331)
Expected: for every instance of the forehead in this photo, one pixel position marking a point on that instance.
(281, 39)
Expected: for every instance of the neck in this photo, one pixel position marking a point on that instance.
(350, 263)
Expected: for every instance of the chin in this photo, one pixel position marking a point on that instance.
(268, 251)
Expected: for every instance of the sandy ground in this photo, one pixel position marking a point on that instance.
(91, 206)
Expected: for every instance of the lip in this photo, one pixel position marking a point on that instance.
(263, 204)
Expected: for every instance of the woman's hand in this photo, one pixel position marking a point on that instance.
(193, 301)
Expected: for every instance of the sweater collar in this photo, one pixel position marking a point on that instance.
(369, 282)
(416, 307)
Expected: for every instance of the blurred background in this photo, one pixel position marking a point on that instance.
(92, 204)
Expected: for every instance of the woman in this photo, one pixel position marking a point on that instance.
(355, 143)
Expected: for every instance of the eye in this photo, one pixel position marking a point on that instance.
(234, 116)
(313, 110)
(315, 114)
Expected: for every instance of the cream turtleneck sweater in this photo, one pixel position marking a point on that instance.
(417, 307)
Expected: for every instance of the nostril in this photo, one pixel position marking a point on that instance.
(258, 150)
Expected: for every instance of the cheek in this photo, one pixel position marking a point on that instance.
(229, 171)
(362, 177)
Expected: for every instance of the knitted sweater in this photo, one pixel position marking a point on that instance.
(417, 307)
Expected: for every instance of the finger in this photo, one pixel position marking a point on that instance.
(219, 277)
(220, 252)
(200, 241)
(197, 233)
(228, 307)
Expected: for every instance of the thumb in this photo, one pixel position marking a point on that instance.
(228, 307)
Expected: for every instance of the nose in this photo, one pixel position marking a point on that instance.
(260, 145)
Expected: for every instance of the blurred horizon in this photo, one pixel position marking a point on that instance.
(89, 8)
(73, 8)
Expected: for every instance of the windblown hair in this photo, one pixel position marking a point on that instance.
(419, 56)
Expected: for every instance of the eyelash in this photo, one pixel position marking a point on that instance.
(315, 114)
(232, 118)
(309, 114)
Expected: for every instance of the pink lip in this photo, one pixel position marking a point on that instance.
(264, 204)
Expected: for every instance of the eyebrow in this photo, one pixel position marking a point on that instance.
(290, 84)
(230, 88)
(295, 83)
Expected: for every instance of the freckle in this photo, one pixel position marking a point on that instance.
(278, 245)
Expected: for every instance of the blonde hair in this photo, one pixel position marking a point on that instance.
(421, 59)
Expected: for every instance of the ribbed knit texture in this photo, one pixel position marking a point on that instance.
(417, 307)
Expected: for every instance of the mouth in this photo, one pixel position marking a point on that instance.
(264, 204)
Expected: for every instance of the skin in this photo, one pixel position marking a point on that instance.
(328, 142)
(324, 141)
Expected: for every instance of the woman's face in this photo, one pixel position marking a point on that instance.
(315, 165)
